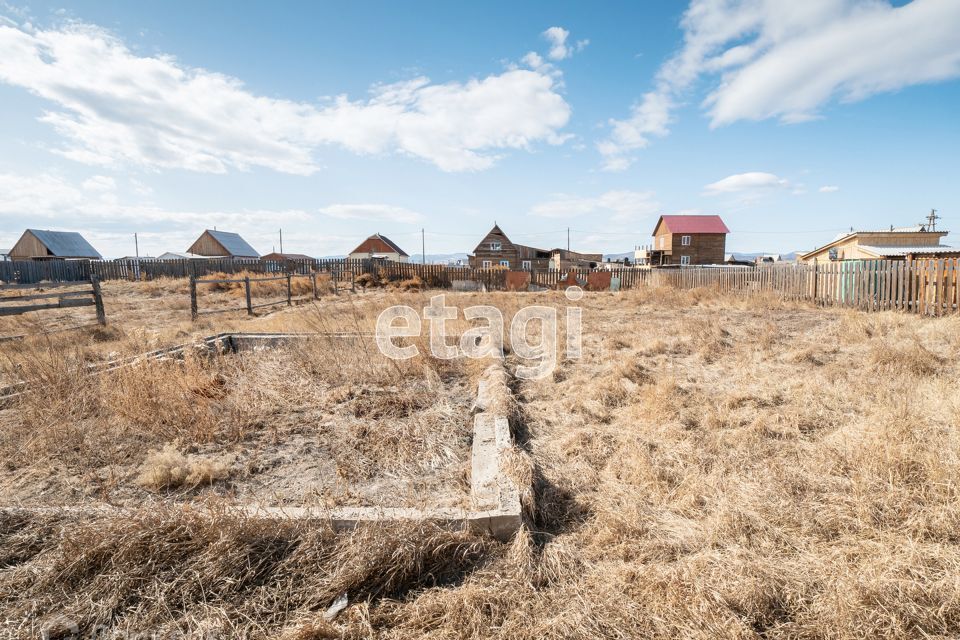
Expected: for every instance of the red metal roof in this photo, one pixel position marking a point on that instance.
(379, 244)
(693, 224)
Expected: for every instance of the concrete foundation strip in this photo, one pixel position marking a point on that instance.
(494, 497)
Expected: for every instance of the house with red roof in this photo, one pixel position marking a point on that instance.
(379, 247)
(687, 240)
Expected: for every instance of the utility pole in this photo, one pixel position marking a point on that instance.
(568, 238)
(423, 245)
(136, 247)
(932, 220)
(281, 241)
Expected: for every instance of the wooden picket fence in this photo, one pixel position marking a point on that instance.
(928, 286)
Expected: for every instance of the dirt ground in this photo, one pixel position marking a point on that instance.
(711, 467)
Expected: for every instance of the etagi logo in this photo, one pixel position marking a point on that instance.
(485, 340)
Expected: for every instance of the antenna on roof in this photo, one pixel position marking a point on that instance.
(932, 220)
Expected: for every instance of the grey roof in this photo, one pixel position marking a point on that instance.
(390, 243)
(902, 251)
(176, 255)
(234, 244)
(65, 244)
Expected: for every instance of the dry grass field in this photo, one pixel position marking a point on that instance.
(712, 467)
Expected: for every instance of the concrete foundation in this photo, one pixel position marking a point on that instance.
(494, 497)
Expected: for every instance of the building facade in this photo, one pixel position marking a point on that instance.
(565, 259)
(43, 244)
(687, 240)
(497, 250)
(213, 243)
(379, 247)
(870, 245)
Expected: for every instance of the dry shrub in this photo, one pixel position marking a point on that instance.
(912, 358)
(411, 284)
(300, 285)
(168, 468)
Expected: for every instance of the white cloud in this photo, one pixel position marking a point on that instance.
(114, 108)
(99, 183)
(621, 206)
(830, 188)
(752, 181)
(559, 49)
(786, 59)
(383, 212)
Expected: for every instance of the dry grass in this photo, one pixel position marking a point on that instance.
(169, 468)
(711, 468)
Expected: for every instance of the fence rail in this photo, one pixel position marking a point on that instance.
(61, 293)
(248, 284)
(927, 286)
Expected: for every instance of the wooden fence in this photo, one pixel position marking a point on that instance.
(58, 295)
(248, 282)
(928, 286)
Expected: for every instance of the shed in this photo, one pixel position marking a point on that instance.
(176, 255)
(222, 243)
(281, 257)
(43, 244)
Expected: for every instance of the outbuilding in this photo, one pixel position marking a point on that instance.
(213, 243)
(43, 244)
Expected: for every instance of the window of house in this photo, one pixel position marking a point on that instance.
(486, 264)
(684, 260)
(525, 265)
(504, 263)
(685, 241)
(496, 246)
(662, 241)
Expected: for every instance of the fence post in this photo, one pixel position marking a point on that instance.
(193, 297)
(246, 289)
(353, 281)
(98, 300)
(289, 290)
(313, 282)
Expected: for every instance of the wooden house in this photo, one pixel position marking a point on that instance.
(213, 243)
(41, 244)
(688, 240)
(379, 247)
(891, 244)
(497, 250)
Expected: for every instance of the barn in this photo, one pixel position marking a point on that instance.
(43, 244)
(213, 243)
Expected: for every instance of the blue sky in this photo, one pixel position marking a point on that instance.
(332, 121)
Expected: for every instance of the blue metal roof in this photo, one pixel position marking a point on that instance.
(234, 244)
(65, 244)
